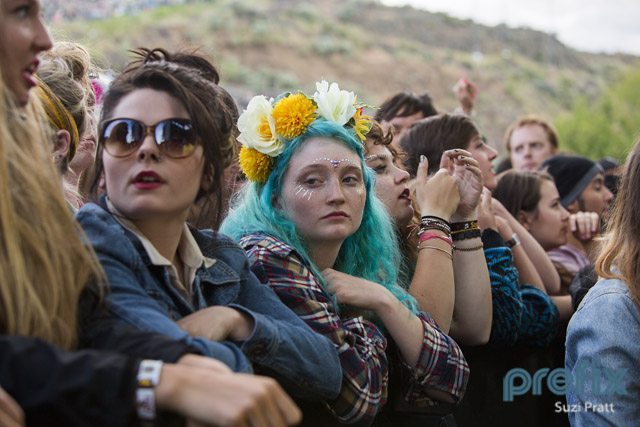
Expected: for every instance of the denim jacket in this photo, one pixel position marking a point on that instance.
(603, 343)
(280, 345)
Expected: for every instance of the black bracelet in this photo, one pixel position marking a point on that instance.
(463, 235)
(437, 218)
(461, 226)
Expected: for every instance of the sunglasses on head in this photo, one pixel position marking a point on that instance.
(175, 138)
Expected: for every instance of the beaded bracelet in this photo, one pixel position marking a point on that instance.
(471, 249)
(435, 223)
(436, 218)
(444, 251)
(466, 234)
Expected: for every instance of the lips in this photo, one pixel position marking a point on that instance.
(147, 180)
(336, 214)
(405, 195)
(28, 73)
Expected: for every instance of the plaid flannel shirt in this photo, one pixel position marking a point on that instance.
(361, 346)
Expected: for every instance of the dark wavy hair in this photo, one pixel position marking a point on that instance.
(433, 136)
(192, 80)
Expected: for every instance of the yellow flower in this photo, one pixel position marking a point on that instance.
(362, 124)
(255, 165)
(293, 115)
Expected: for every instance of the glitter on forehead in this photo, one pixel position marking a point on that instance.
(335, 162)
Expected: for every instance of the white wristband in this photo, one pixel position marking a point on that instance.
(148, 378)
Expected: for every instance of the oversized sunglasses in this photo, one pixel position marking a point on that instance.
(175, 138)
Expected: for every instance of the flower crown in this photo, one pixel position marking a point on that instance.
(266, 126)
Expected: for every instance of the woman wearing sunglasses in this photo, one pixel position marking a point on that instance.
(166, 136)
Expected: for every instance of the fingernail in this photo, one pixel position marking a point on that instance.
(422, 158)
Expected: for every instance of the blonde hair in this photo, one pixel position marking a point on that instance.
(44, 264)
(620, 256)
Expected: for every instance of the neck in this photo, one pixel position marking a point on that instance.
(71, 178)
(324, 255)
(163, 233)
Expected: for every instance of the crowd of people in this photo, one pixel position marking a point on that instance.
(168, 258)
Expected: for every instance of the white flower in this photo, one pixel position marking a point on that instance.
(257, 127)
(334, 104)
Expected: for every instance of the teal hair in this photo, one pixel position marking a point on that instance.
(371, 253)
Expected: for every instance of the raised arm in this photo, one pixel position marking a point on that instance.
(536, 253)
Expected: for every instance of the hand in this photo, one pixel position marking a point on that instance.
(465, 92)
(218, 323)
(486, 217)
(584, 225)
(202, 362)
(354, 291)
(504, 228)
(465, 169)
(208, 398)
(438, 195)
(11, 414)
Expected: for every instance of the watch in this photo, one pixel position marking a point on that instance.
(513, 241)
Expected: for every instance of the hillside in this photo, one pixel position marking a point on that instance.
(268, 46)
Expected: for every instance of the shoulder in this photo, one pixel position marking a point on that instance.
(610, 295)
(259, 242)
(607, 316)
(212, 243)
(98, 223)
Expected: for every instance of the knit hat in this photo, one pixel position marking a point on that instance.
(572, 175)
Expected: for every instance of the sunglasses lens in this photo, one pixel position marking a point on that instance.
(176, 137)
(122, 137)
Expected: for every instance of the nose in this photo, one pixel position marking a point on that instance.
(42, 40)
(565, 214)
(608, 195)
(335, 196)
(401, 175)
(149, 150)
(492, 153)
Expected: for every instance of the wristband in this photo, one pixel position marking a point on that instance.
(148, 378)
(426, 235)
(464, 226)
(467, 234)
(513, 241)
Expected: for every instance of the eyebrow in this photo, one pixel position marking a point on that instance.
(323, 165)
(376, 157)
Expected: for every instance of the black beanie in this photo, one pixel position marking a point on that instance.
(572, 175)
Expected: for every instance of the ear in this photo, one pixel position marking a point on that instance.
(526, 219)
(61, 145)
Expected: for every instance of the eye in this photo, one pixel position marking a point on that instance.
(22, 11)
(380, 168)
(311, 181)
(351, 180)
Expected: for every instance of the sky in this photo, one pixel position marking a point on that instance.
(589, 25)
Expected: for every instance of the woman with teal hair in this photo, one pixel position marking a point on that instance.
(316, 232)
